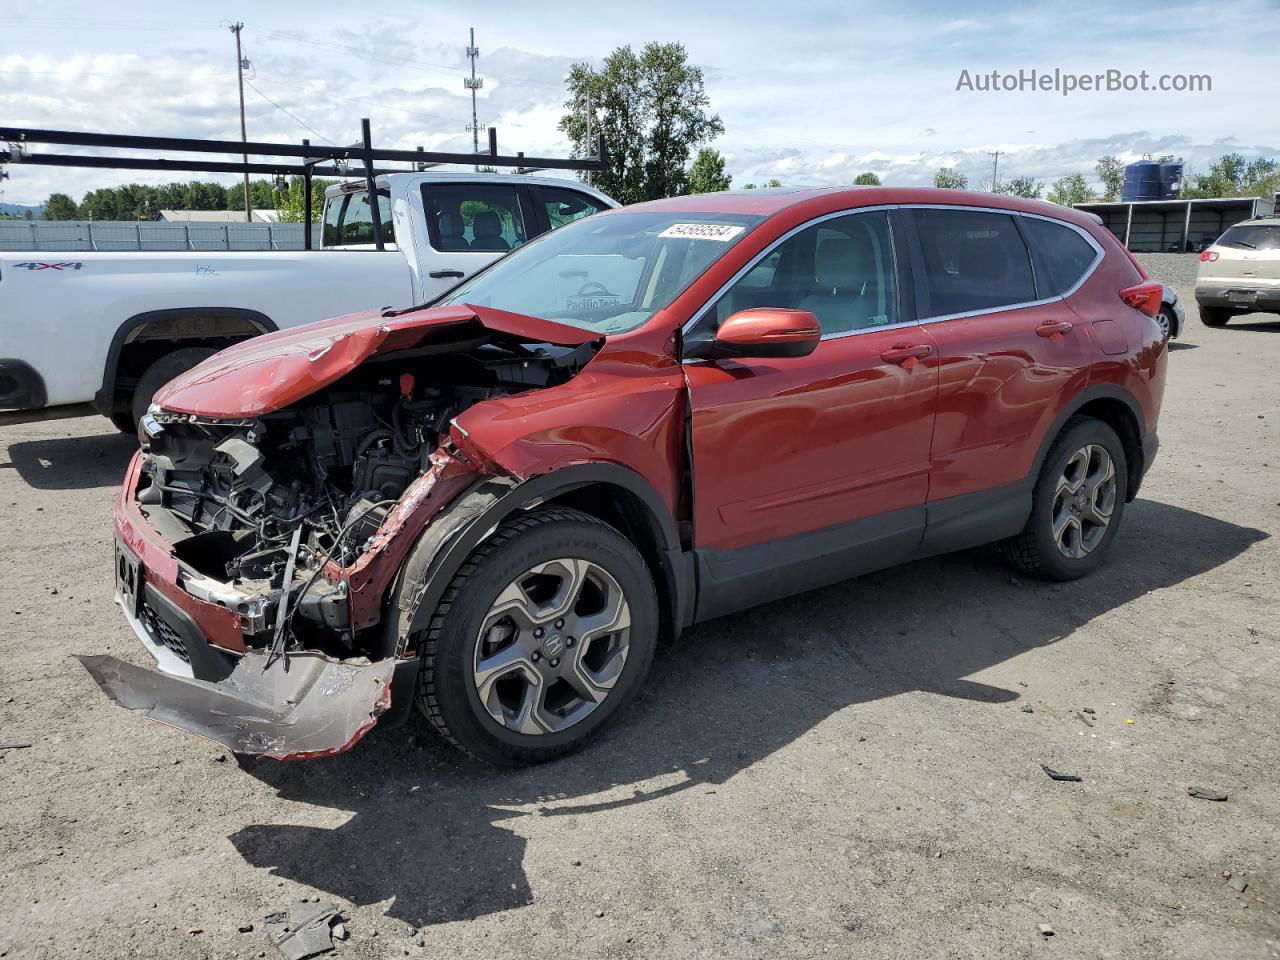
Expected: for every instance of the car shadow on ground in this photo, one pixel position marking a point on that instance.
(1180, 345)
(429, 830)
(72, 463)
(1255, 326)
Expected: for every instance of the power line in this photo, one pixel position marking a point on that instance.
(299, 120)
(375, 103)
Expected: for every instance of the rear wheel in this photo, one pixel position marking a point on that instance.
(542, 636)
(1214, 316)
(1077, 504)
(158, 374)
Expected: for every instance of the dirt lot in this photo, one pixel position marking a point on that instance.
(854, 772)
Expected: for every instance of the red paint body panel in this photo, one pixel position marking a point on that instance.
(267, 373)
(1002, 386)
(786, 446)
(160, 567)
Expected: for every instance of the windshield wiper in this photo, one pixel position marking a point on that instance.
(1243, 243)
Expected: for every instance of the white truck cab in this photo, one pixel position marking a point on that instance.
(110, 328)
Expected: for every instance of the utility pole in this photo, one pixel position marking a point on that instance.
(590, 116)
(473, 83)
(236, 28)
(995, 167)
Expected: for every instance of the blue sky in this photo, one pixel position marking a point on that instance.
(810, 91)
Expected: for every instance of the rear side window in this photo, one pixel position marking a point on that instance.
(565, 206)
(1065, 254)
(348, 219)
(1252, 237)
(475, 216)
(972, 261)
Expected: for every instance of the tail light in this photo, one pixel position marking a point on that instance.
(1144, 296)
(1208, 256)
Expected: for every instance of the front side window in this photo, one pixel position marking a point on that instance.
(608, 273)
(1065, 254)
(840, 270)
(475, 216)
(972, 261)
(565, 206)
(348, 220)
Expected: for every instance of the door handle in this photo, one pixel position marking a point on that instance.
(1053, 330)
(441, 274)
(906, 355)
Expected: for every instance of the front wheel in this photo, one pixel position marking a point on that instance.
(1076, 505)
(541, 638)
(158, 374)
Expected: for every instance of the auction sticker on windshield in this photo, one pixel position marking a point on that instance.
(722, 232)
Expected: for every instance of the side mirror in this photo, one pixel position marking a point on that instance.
(764, 332)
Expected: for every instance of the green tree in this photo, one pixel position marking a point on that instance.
(949, 178)
(1232, 176)
(262, 195)
(774, 182)
(866, 180)
(291, 201)
(60, 207)
(651, 110)
(708, 174)
(1111, 172)
(748, 186)
(1027, 187)
(100, 204)
(1069, 190)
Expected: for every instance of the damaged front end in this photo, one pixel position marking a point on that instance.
(280, 486)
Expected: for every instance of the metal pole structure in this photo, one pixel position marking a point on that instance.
(995, 168)
(1186, 229)
(473, 83)
(244, 137)
(1128, 225)
(590, 114)
(372, 187)
(306, 204)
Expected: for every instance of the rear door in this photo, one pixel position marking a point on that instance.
(1009, 347)
(469, 225)
(810, 469)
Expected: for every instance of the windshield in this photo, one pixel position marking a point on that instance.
(609, 273)
(1255, 237)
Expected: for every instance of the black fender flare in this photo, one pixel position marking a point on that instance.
(449, 539)
(104, 399)
(1100, 391)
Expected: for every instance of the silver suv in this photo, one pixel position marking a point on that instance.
(1240, 272)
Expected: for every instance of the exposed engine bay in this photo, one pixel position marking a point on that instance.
(257, 509)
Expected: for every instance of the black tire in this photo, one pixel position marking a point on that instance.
(1035, 550)
(1168, 321)
(158, 374)
(124, 422)
(1214, 316)
(447, 693)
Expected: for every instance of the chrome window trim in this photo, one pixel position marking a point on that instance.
(1098, 255)
(751, 264)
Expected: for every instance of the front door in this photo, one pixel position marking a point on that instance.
(807, 470)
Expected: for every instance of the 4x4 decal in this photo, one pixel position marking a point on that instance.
(41, 265)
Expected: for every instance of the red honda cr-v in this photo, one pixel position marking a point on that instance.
(497, 503)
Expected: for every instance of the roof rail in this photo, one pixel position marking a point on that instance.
(304, 159)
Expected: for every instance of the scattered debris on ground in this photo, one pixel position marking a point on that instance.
(306, 929)
(1046, 930)
(14, 746)
(1059, 775)
(1206, 793)
(1238, 884)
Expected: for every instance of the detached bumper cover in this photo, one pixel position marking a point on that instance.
(305, 706)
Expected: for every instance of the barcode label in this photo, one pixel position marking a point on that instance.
(721, 232)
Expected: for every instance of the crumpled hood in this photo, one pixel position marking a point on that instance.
(273, 371)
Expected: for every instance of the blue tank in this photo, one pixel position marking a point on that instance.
(1170, 179)
(1141, 181)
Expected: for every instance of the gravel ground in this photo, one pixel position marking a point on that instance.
(1176, 269)
(853, 772)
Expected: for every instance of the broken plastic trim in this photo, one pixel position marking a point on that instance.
(306, 706)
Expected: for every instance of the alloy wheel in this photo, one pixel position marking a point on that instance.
(1166, 324)
(1083, 501)
(552, 646)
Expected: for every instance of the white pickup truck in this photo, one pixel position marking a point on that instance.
(112, 328)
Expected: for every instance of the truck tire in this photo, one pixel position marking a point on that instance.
(503, 678)
(161, 372)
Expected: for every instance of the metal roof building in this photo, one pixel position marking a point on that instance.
(1172, 226)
